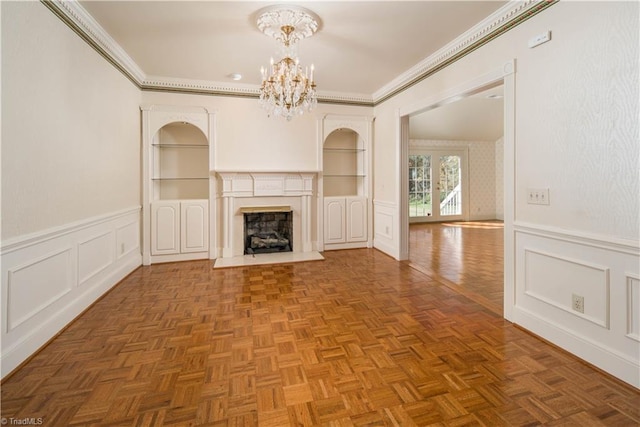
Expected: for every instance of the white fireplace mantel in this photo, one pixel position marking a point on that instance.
(259, 184)
(263, 189)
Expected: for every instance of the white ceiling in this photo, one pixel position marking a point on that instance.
(479, 117)
(360, 47)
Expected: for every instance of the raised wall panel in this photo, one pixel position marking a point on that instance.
(94, 255)
(633, 308)
(554, 279)
(36, 284)
(384, 222)
(127, 239)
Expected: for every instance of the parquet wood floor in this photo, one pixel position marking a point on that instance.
(356, 340)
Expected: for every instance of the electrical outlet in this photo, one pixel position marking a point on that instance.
(121, 248)
(538, 196)
(577, 303)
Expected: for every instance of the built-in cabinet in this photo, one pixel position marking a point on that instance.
(346, 165)
(345, 220)
(179, 227)
(178, 187)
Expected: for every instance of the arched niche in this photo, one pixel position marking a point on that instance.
(344, 166)
(180, 162)
(161, 116)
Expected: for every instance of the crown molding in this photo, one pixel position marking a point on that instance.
(345, 98)
(501, 21)
(205, 87)
(80, 21)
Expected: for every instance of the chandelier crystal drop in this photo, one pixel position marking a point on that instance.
(287, 89)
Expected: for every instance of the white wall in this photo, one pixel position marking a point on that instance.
(70, 126)
(70, 177)
(576, 133)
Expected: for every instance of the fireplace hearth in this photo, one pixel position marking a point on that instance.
(268, 231)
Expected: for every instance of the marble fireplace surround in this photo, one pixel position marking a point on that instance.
(265, 190)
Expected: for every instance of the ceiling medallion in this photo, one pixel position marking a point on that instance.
(287, 90)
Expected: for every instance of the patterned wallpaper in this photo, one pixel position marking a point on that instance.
(577, 133)
(484, 190)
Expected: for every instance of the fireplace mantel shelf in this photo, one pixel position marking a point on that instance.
(264, 209)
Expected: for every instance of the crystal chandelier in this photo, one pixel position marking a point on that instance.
(287, 89)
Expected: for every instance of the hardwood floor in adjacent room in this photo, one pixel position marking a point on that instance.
(466, 256)
(356, 340)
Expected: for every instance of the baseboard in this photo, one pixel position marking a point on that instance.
(49, 278)
(338, 246)
(386, 248)
(191, 256)
(602, 357)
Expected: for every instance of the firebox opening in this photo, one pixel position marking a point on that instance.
(267, 232)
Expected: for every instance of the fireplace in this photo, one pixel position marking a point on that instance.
(268, 229)
(251, 192)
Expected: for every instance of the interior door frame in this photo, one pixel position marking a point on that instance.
(503, 75)
(463, 152)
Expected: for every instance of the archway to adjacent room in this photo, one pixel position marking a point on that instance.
(504, 78)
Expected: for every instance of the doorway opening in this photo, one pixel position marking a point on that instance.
(452, 235)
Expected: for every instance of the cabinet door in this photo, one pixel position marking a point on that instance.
(356, 219)
(334, 220)
(194, 226)
(165, 228)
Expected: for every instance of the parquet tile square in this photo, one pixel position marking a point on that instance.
(356, 340)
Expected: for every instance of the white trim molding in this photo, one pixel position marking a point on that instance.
(50, 277)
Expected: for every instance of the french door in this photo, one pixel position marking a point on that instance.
(437, 185)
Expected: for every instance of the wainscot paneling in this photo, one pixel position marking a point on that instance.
(553, 267)
(555, 280)
(385, 220)
(94, 255)
(633, 309)
(49, 278)
(25, 298)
